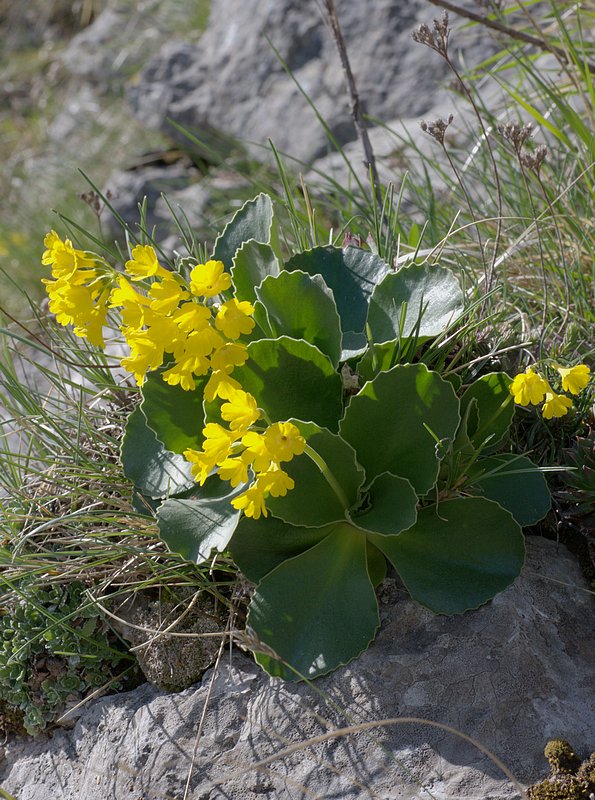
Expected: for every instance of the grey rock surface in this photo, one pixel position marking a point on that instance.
(233, 81)
(512, 674)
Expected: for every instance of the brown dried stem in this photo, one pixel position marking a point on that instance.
(356, 109)
(520, 36)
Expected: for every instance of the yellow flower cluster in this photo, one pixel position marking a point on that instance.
(239, 450)
(173, 318)
(80, 288)
(164, 318)
(183, 324)
(531, 388)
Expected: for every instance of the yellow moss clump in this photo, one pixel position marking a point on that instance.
(568, 779)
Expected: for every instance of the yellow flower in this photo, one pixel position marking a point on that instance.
(202, 464)
(192, 317)
(70, 303)
(167, 294)
(240, 411)
(251, 502)
(220, 384)
(63, 257)
(165, 333)
(234, 318)
(275, 482)
(91, 328)
(284, 441)
(198, 343)
(218, 441)
(528, 387)
(144, 263)
(210, 279)
(574, 379)
(145, 355)
(183, 375)
(229, 355)
(556, 405)
(256, 452)
(233, 470)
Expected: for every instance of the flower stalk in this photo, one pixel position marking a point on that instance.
(328, 475)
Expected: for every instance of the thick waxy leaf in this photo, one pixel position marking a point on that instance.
(386, 423)
(254, 220)
(393, 506)
(173, 414)
(292, 378)
(155, 471)
(350, 274)
(354, 344)
(376, 564)
(251, 265)
(457, 555)
(258, 546)
(489, 422)
(420, 299)
(313, 502)
(318, 610)
(193, 528)
(302, 306)
(515, 483)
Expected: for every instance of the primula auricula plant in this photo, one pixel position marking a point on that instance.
(279, 423)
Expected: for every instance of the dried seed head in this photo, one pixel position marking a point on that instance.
(437, 128)
(442, 29)
(534, 161)
(93, 200)
(352, 240)
(423, 35)
(437, 39)
(516, 134)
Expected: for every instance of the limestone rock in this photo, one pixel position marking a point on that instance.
(512, 675)
(232, 80)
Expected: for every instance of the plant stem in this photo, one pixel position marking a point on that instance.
(520, 36)
(328, 475)
(356, 110)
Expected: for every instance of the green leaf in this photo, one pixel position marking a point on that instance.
(515, 483)
(350, 274)
(292, 378)
(258, 546)
(254, 220)
(173, 414)
(318, 610)
(376, 564)
(431, 295)
(313, 502)
(354, 344)
(155, 471)
(488, 424)
(387, 423)
(193, 528)
(393, 506)
(458, 555)
(302, 306)
(251, 265)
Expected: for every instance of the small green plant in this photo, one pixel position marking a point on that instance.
(294, 395)
(569, 779)
(578, 493)
(55, 649)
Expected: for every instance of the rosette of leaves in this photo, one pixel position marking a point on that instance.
(578, 494)
(417, 479)
(54, 649)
